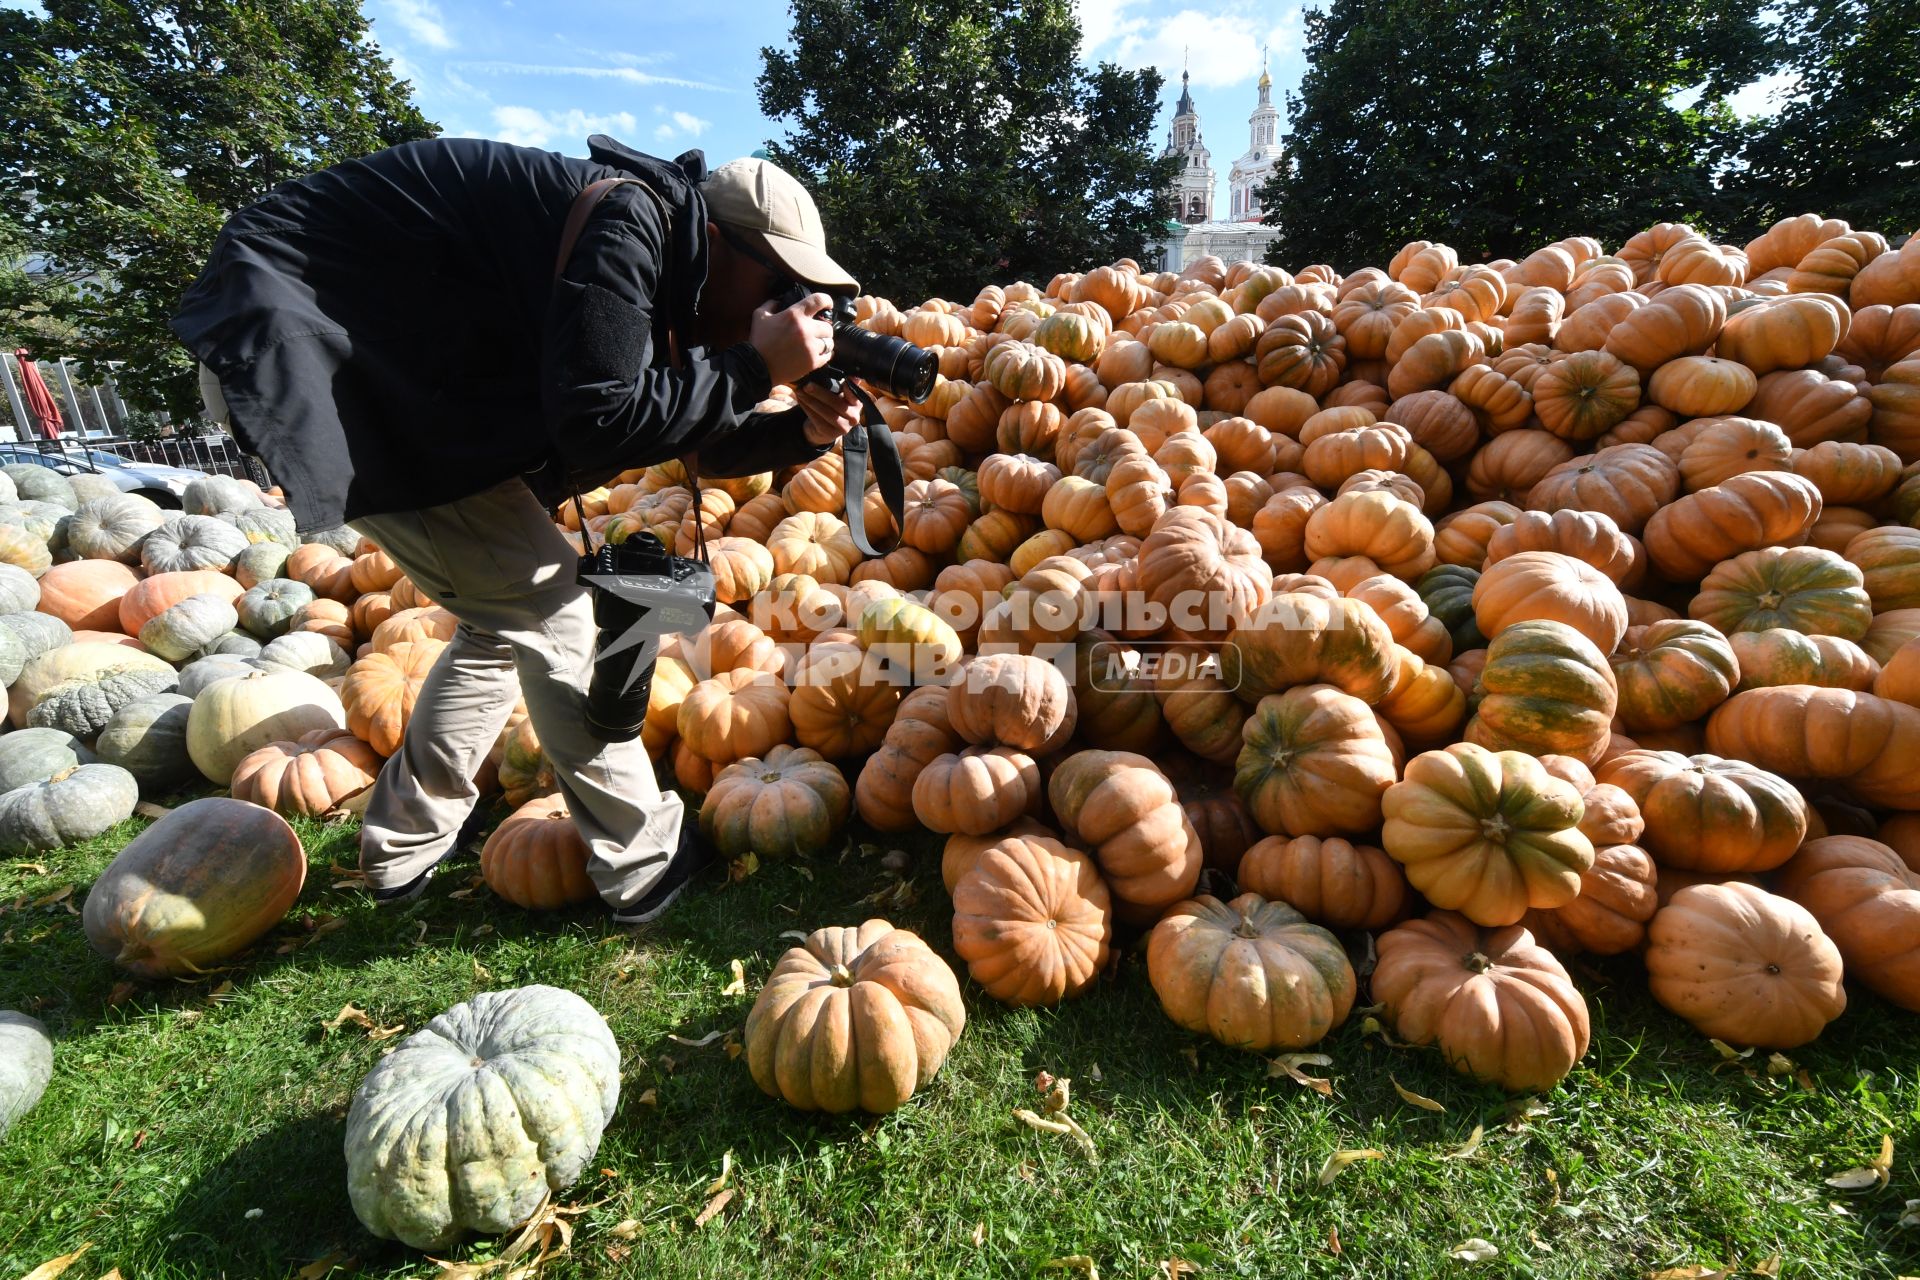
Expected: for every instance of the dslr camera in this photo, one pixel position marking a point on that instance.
(897, 367)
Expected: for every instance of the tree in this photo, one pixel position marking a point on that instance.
(953, 142)
(1503, 125)
(1847, 143)
(131, 129)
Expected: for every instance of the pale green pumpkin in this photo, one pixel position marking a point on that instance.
(26, 1064)
(477, 1117)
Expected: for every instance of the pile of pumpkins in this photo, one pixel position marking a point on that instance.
(1568, 605)
(1504, 611)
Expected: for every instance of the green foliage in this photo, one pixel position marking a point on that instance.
(950, 144)
(1501, 126)
(1846, 143)
(131, 129)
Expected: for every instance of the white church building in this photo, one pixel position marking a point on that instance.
(1195, 231)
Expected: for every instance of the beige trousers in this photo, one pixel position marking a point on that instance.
(496, 562)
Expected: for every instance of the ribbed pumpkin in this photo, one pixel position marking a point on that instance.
(155, 595)
(1250, 973)
(1867, 742)
(977, 790)
(1334, 882)
(1704, 813)
(1125, 812)
(1498, 1005)
(788, 803)
(1744, 966)
(1297, 639)
(1033, 920)
(308, 777)
(198, 886)
(1545, 689)
(1866, 896)
(379, 692)
(854, 1019)
(537, 859)
(1533, 586)
(74, 804)
(734, 715)
(474, 1120)
(1487, 834)
(1012, 700)
(1672, 672)
(1314, 762)
(1800, 588)
(1617, 898)
(1778, 656)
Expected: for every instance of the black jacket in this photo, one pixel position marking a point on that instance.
(389, 335)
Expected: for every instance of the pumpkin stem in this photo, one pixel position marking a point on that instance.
(1478, 962)
(64, 774)
(1496, 828)
(841, 975)
(1246, 928)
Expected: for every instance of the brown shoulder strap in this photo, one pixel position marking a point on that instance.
(577, 217)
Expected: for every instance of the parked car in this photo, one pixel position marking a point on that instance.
(162, 484)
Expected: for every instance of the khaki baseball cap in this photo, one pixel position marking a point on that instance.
(773, 212)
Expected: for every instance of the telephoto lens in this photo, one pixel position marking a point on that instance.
(892, 364)
(622, 677)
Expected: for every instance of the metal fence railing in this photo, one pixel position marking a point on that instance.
(95, 418)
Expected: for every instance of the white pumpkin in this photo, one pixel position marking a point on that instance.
(234, 717)
(26, 1064)
(477, 1116)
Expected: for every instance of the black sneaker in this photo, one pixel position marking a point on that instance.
(410, 891)
(692, 855)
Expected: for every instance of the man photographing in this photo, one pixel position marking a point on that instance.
(396, 341)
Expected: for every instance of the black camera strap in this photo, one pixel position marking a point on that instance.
(872, 440)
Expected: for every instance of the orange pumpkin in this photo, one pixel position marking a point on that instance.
(1750, 510)
(1334, 882)
(1498, 1005)
(733, 715)
(1250, 973)
(537, 859)
(1125, 811)
(1625, 482)
(1582, 396)
(1314, 762)
(977, 790)
(1033, 920)
(1672, 672)
(86, 594)
(1532, 586)
(1744, 966)
(1866, 897)
(380, 690)
(306, 778)
(1705, 813)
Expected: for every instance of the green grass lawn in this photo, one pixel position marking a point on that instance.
(194, 1129)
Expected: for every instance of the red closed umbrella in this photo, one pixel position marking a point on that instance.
(40, 401)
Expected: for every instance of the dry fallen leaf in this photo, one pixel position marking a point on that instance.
(737, 987)
(38, 868)
(1911, 1218)
(626, 1229)
(1289, 1064)
(742, 867)
(1779, 1064)
(319, 1267)
(703, 1041)
(1192, 1055)
(715, 1205)
(1694, 1272)
(1474, 1250)
(59, 895)
(799, 935)
(57, 1266)
(1078, 1262)
(1043, 1081)
(113, 1275)
(1767, 1266)
(1093, 1073)
(1413, 1099)
(1174, 1268)
(1471, 1145)
(651, 1098)
(1341, 1159)
(726, 1172)
(121, 993)
(1877, 1173)
(1333, 1241)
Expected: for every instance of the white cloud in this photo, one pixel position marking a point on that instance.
(1221, 47)
(679, 123)
(1104, 21)
(629, 74)
(422, 21)
(531, 127)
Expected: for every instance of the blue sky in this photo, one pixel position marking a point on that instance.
(666, 77)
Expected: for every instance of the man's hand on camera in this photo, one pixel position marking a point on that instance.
(795, 341)
(829, 416)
